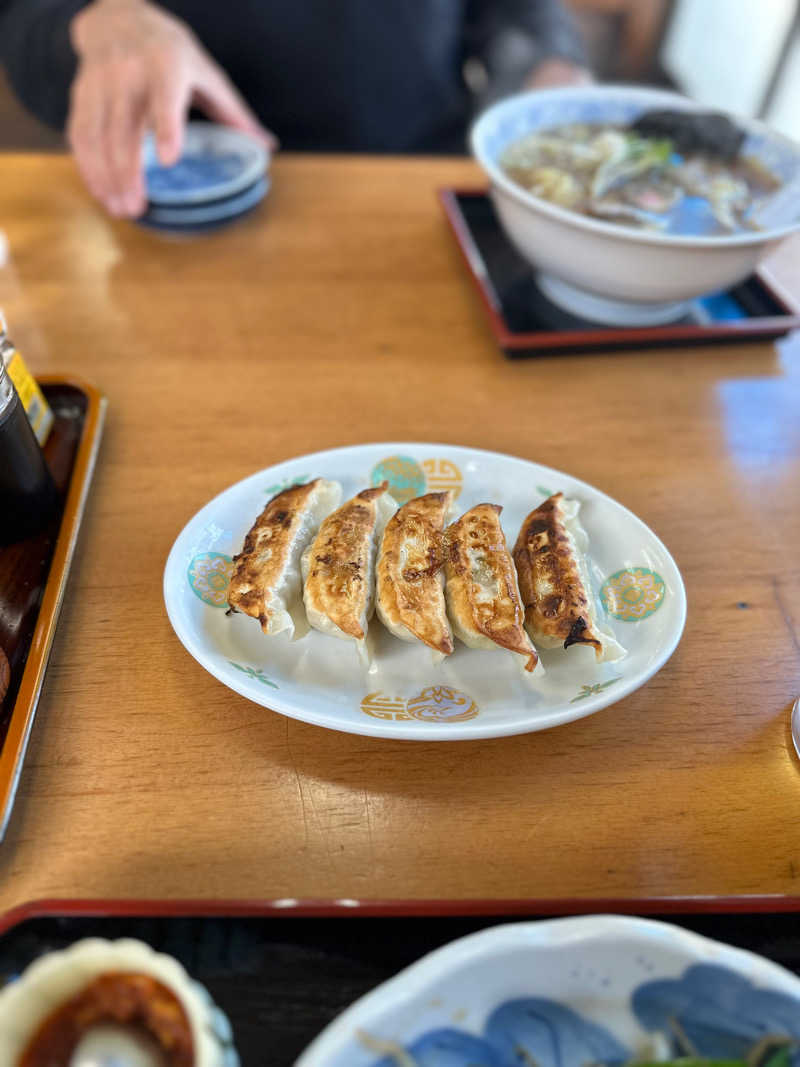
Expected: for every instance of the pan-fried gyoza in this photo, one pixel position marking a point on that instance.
(339, 567)
(483, 599)
(266, 582)
(410, 578)
(554, 583)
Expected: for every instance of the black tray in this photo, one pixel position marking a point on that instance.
(282, 973)
(525, 323)
(34, 572)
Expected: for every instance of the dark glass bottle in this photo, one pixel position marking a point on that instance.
(28, 496)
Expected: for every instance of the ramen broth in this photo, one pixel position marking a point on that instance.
(613, 173)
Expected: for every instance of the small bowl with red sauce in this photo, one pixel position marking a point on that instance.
(111, 1002)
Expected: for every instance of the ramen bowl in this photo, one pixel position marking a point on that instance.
(606, 271)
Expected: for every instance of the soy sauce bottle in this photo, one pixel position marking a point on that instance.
(28, 496)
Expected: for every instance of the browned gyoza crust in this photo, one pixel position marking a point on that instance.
(555, 598)
(336, 585)
(259, 565)
(409, 590)
(499, 618)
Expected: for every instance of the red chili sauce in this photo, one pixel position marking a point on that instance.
(130, 1000)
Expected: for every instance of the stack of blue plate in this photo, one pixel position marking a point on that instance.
(221, 175)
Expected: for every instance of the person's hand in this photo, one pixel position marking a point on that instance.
(554, 72)
(139, 69)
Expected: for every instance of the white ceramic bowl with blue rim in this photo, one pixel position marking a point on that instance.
(600, 270)
(564, 993)
(216, 161)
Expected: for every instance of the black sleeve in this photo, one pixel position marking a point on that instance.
(511, 37)
(37, 55)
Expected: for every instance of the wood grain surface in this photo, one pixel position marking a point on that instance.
(340, 312)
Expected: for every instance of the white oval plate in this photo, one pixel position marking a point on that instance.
(597, 966)
(474, 694)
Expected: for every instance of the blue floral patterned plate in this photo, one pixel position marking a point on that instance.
(475, 693)
(567, 993)
(216, 162)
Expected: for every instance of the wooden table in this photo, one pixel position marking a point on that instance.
(340, 313)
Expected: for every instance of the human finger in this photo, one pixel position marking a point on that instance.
(171, 93)
(123, 140)
(85, 128)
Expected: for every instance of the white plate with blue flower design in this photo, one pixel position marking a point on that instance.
(595, 989)
(473, 694)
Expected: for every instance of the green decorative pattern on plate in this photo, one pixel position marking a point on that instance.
(590, 690)
(254, 672)
(287, 483)
(633, 593)
(405, 477)
(209, 575)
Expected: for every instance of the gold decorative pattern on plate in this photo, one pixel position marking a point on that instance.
(440, 703)
(436, 703)
(441, 474)
(380, 706)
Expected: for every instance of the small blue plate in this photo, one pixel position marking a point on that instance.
(204, 215)
(216, 162)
